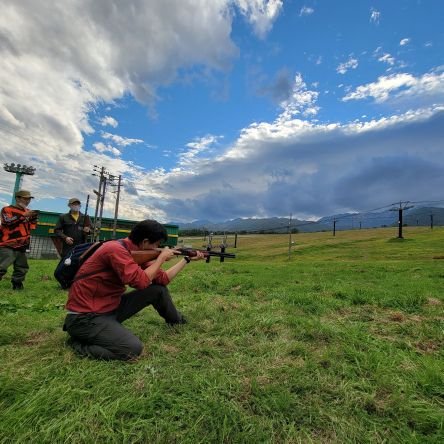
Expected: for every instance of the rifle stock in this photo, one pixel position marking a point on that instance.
(142, 256)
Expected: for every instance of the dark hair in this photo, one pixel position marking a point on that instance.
(148, 229)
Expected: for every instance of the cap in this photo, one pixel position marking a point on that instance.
(73, 200)
(24, 193)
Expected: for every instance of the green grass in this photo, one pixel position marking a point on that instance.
(343, 342)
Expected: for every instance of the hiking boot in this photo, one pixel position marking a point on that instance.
(17, 285)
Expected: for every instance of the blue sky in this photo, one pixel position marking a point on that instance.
(225, 109)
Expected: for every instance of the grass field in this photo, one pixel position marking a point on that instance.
(340, 343)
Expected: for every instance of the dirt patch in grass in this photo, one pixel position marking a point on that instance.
(170, 349)
(433, 301)
(428, 347)
(36, 338)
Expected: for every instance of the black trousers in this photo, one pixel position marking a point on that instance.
(102, 336)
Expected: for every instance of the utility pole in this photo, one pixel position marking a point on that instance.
(400, 223)
(86, 206)
(88, 236)
(431, 221)
(98, 199)
(102, 202)
(20, 171)
(116, 209)
(402, 206)
(334, 227)
(289, 237)
(209, 245)
(105, 177)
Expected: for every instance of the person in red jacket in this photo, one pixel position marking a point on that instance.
(17, 221)
(98, 304)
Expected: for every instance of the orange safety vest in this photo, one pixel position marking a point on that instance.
(15, 229)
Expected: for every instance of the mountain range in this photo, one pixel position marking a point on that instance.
(416, 216)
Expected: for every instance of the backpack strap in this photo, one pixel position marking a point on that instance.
(92, 273)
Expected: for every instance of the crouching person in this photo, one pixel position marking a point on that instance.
(97, 303)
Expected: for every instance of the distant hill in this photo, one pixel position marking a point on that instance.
(276, 224)
(422, 216)
(419, 216)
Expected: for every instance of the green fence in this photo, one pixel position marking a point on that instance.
(48, 220)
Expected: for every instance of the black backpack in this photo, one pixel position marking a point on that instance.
(69, 265)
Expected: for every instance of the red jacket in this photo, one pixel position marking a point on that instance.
(15, 230)
(113, 268)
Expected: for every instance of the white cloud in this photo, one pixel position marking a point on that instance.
(306, 10)
(102, 148)
(109, 121)
(387, 58)
(375, 16)
(195, 148)
(404, 42)
(351, 63)
(119, 140)
(428, 87)
(260, 13)
(301, 102)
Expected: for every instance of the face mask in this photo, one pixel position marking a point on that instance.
(75, 208)
(21, 204)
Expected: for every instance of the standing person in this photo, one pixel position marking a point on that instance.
(72, 227)
(17, 221)
(97, 304)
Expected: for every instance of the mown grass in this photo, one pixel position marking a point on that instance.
(343, 342)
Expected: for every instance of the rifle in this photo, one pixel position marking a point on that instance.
(142, 256)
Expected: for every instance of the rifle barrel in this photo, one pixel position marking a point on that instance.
(191, 252)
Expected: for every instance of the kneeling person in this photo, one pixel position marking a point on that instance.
(97, 303)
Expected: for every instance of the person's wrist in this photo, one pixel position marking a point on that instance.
(187, 259)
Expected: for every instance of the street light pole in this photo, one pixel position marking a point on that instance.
(20, 171)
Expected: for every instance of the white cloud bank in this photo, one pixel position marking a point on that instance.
(311, 169)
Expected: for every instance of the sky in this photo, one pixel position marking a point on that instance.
(223, 109)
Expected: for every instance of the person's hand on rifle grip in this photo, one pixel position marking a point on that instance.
(166, 254)
(199, 256)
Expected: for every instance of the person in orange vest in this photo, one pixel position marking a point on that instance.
(17, 221)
